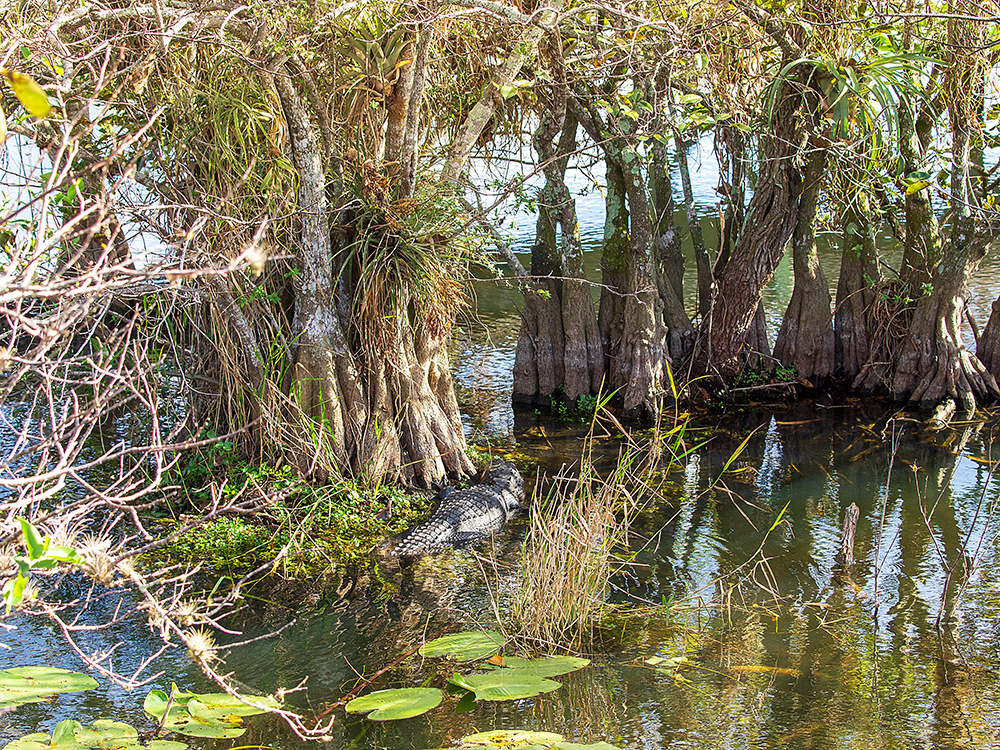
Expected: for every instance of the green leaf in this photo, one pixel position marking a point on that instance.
(32, 684)
(34, 741)
(504, 685)
(466, 703)
(511, 738)
(546, 666)
(107, 734)
(64, 735)
(225, 707)
(465, 646)
(203, 715)
(63, 554)
(32, 539)
(401, 703)
(103, 735)
(916, 187)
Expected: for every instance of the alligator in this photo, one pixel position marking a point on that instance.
(467, 515)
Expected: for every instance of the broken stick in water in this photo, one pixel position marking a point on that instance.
(846, 555)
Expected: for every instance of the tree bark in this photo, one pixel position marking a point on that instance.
(614, 263)
(524, 50)
(988, 349)
(705, 282)
(320, 341)
(636, 361)
(418, 81)
(733, 152)
(770, 224)
(933, 363)
(559, 346)
(862, 358)
(922, 243)
(668, 257)
(397, 106)
(805, 339)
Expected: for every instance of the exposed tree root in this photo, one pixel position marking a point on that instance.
(934, 364)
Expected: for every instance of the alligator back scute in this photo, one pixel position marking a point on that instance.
(466, 515)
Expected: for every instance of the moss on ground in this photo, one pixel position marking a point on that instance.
(306, 530)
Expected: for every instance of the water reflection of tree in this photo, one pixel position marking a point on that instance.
(874, 651)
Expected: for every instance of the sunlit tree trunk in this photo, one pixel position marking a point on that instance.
(703, 262)
(522, 52)
(559, 345)
(635, 359)
(922, 242)
(669, 258)
(731, 145)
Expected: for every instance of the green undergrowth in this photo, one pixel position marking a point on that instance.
(310, 528)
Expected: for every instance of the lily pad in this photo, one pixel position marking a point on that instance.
(214, 715)
(504, 685)
(103, 735)
(546, 666)
(506, 739)
(465, 646)
(511, 738)
(32, 684)
(401, 703)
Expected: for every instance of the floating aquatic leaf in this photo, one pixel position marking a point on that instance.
(465, 646)
(511, 738)
(32, 684)
(103, 735)
(466, 703)
(400, 703)
(592, 746)
(28, 92)
(504, 685)
(225, 706)
(203, 715)
(761, 669)
(546, 666)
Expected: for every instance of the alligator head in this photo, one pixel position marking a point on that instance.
(508, 481)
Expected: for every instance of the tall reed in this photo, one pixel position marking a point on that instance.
(571, 552)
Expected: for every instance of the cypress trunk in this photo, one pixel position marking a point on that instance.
(805, 339)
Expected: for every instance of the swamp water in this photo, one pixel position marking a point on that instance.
(764, 641)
